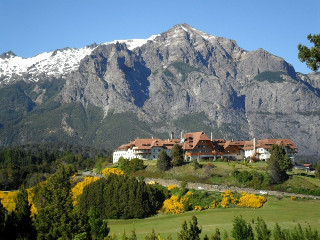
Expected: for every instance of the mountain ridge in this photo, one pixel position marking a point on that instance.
(164, 84)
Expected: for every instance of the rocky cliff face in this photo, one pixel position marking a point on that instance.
(186, 80)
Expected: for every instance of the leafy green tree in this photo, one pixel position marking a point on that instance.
(163, 162)
(98, 226)
(176, 155)
(56, 217)
(263, 233)
(311, 56)
(279, 163)
(317, 172)
(190, 233)
(241, 229)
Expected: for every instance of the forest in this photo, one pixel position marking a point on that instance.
(31, 164)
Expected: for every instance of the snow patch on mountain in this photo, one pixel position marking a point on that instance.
(55, 63)
(133, 43)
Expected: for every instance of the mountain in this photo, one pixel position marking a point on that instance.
(104, 95)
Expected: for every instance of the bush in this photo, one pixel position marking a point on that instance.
(252, 179)
(134, 165)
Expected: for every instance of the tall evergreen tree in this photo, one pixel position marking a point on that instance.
(25, 225)
(241, 230)
(216, 235)
(176, 155)
(10, 229)
(163, 162)
(263, 233)
(98, 226)
(192, 232)
(279, 163)
(56, 218)
(3, 213)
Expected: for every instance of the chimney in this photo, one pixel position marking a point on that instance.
(171, 135)
(211, 137)
(254, 145)
(181, 135)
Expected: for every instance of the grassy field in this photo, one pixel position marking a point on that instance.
(285, 211)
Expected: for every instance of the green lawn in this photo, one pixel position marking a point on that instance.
(285, 211)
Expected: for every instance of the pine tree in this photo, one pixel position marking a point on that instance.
(263, 233)
(311, 56)
(241, 230)
(10, 229)
(2, 221)
(176, 155)
(278, 233)
(190, 233)
(152, 236)
(25, 226)
(56, 218)
(98, 226)
(279, 163)
(163, 162)
(216, 235)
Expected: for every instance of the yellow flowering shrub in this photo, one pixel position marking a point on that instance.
(293, 197)
(251, 200)
(189, 193)
(173, 205)
(77, 190)
(198, 208)
(108, 171)
(172, 187)
(213, 204)
(7, 200)
(227, 199)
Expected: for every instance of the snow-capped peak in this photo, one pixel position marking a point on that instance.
(54, 63)
(192, 30)
(133, 43)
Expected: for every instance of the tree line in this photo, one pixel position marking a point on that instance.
(31, 164)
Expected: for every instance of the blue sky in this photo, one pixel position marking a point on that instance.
(29, 27)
